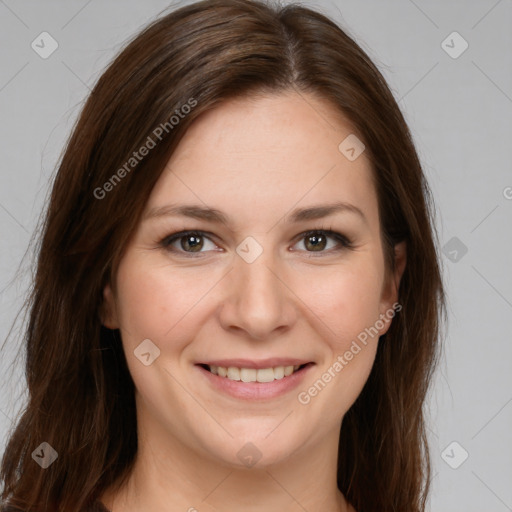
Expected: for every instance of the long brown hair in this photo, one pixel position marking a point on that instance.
(80, 393)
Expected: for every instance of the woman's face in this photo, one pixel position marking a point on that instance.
(253, 291)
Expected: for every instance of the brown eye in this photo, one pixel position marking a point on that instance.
(195, 243)
(316, 242)
(187, 242)
(191, 242)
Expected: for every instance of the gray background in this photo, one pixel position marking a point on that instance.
(460, 113)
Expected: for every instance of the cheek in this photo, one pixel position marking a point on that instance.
(157, 301)
(346, 300)
(348, 303)
(142, 301)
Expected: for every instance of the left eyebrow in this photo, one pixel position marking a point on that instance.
(214, 215)
(321, 211)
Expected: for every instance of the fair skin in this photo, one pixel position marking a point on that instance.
(256, 160)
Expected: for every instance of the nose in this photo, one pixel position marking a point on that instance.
(258, 298)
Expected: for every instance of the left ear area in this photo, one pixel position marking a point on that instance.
(392, 284)
(108, 315)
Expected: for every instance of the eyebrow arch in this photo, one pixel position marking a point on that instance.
(213, 215)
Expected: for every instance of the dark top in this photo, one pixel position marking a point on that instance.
(97, 506)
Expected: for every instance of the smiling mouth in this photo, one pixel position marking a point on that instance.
(261, 375)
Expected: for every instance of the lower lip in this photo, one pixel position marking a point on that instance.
(256, 390)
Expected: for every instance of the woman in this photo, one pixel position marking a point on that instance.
(238, 296)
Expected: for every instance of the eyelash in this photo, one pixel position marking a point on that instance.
(344, 242)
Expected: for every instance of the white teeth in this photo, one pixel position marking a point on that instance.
(248, 374)
(279, 372)
(265, 375)
(252, 374)
(288, 370)
(233, 373)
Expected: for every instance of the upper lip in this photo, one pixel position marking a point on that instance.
(260, 364)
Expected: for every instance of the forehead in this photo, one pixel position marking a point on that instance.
(257, 157)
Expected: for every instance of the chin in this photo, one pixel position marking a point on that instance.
(257, 451)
